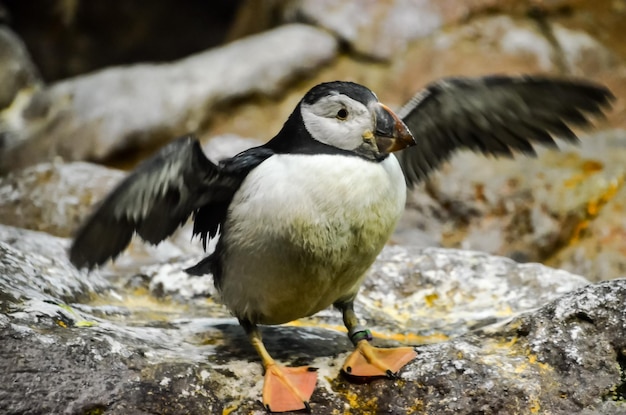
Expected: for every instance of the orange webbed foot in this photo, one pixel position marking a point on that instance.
(288, 388)
(370, 361)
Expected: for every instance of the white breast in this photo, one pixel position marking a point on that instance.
(302, 230)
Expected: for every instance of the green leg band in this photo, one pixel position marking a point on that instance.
(360, 334)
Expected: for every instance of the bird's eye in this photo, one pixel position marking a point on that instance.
(342, 114)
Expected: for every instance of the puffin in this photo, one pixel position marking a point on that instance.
(300, 219)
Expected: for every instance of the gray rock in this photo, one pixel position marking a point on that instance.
(19, 80)
(17, 71)
(54, 197)
(448, 292)
(93, 116)
(571, 52)
(581, 54)
(36, 273)
(383, 30)
(566, 357)
(228, 145)
(74, 342)
(597, 244)
(537, 210)
(378, 30)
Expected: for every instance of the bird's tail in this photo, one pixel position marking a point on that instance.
(206, 266)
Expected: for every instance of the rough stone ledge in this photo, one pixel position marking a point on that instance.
(548, 343)
(565, 357)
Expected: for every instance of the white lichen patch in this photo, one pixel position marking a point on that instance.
(523, 40)
(204, 375)
(580, 50)
(239, 380)
(117, 347)
(328, 368)
(165, 381)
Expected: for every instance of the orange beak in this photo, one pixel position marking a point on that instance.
(391, 133)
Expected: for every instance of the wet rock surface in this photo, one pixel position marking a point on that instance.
(492, 335)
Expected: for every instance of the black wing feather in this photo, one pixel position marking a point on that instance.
(496, 115)
(156, 199)
(210, 216)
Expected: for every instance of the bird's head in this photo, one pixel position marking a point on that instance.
(350, 117)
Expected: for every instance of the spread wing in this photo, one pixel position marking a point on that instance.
(496, 115)
(158, 197)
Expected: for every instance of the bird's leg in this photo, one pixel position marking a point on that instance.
(367, 360)
(284, 388)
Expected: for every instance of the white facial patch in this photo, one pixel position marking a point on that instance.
(338, 120)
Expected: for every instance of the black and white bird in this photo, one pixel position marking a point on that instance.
(301, 218)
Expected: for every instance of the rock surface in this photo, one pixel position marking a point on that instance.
(54, 197)
(384, 30)
(76, 342)
(381, 31)
(17, 71)
(560, 208)
(19, 80)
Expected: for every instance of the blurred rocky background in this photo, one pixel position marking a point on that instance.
(90, 88)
